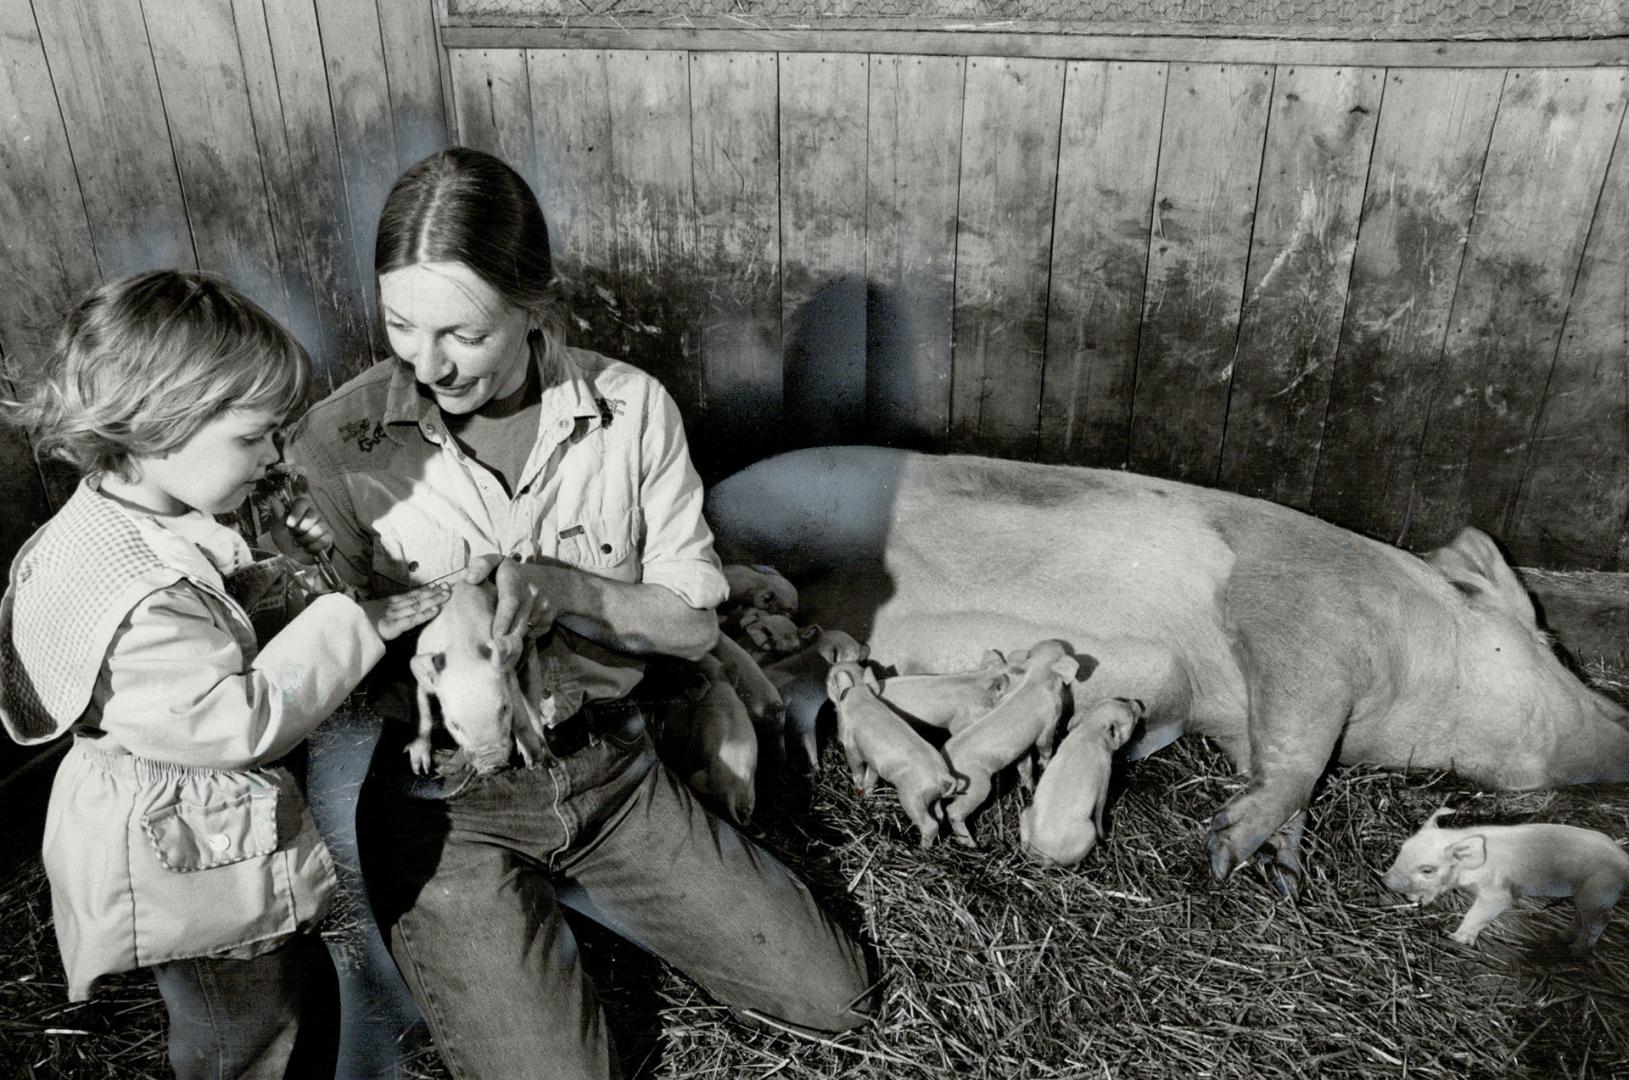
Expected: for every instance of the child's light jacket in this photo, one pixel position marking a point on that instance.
(167, 834)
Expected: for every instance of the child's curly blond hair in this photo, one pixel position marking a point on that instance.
(142, 362)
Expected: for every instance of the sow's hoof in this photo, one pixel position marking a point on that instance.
(1230, 843)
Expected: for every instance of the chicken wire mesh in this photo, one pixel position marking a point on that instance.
(1380, 19)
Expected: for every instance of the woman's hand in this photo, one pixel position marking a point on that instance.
(395, 615)
(522, 605)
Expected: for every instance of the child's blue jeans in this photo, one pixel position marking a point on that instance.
(270, 1017)
(464, 872)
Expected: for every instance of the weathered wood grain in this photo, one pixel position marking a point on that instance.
(1204, 206)
(46, 256)
(492, 104)
(353, 53)
(212, 130)
(1003, 252)
(656, 321)
(1320, 135)
(736, 165)
(1574, 505)
(1430, 146)
(418, 108)
(294, 126)
(913, 173)
(1108, 152)
(1546, 162)
(571, 118)
(823, 207)
(897, 35)
(102, 68)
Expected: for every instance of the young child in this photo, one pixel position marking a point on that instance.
(172, 841)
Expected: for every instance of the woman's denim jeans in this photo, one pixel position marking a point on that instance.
(463, 874)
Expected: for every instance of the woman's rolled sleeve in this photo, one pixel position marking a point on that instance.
(175, 687)
(678, 549)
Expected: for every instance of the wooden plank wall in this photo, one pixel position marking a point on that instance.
(1389, 292)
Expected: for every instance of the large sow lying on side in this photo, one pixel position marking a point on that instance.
(1284, 638)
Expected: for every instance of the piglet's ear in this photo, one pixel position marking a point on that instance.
(870, 679)
(427, 668)
(993, 658)
(1066, 667)
(1470, 852)
(839, 681)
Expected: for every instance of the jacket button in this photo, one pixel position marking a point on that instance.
(606, 548)
(414, 565)
(220, 842)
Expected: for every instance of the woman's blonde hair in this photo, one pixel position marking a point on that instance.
(143, 362)
(466, 206)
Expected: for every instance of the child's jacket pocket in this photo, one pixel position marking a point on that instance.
(191, 836)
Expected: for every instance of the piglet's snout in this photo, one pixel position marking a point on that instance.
(489, 757)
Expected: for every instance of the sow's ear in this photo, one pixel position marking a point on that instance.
(1472, 563)
(1469, 853)
(427, 668)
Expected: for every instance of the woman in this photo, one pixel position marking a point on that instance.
(565, 476)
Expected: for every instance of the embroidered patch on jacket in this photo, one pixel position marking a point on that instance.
(365, 433)
(609, 407)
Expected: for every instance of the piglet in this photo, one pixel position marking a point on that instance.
(711, 743)
(1501, 862)
(1023, 722)
(766, 634)
(800, 679)
(1066, 818)
(761, 587)
(952, 700)
(472, 675)
(877, 742)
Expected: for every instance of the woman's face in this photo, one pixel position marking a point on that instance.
(464, 341)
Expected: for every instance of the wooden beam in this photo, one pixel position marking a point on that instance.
(1049, 43)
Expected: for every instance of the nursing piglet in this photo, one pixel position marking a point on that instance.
(1066, 818)
(877, 742)
(1024, 722)
(471, 674)
(951, 700)
(708, 739)
(1501, 862)
(761, 587)
(800, 679)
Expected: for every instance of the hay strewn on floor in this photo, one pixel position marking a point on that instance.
(1134, 964)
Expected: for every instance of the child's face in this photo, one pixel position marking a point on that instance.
(213, 471)
(465, 343)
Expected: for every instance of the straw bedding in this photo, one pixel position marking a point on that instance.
(1133, 964)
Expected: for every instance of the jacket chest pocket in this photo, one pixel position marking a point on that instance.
(607, 545)
(401, 562)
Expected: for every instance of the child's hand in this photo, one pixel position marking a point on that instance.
(395, 615)
(300, 526)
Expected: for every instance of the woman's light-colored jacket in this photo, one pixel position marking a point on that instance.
(168, 834)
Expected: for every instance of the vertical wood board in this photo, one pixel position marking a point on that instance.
(1430, 145)
(102, 67)
(1003, 252)
(407, 29)
(735, 155)
(200, 71)
(823, 206)
(913, 173)
(353, 53)
(1107, 156)
(310, 204)
(46, 257)
(1204, 205)
(1320, 135)
(492, 104)
(1546, 163)
(1574, 507)
(571, 117)
(656, 321)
